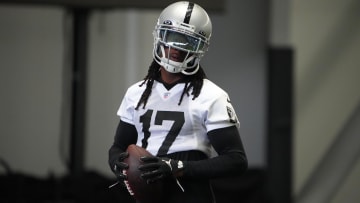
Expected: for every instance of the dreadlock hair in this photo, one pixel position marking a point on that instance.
(194, 82)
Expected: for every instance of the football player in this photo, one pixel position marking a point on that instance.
(179, 115)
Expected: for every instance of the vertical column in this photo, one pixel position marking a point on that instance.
(280, 105)
(77, 139)
(280, 119)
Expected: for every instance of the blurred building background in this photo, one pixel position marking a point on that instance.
(38, 59)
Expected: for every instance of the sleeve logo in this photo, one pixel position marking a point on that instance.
(232, 115)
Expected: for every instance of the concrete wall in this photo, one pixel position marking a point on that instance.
(326, 36)
(31, 63)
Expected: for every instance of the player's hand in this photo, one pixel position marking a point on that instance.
(120, 166)
(156, 168)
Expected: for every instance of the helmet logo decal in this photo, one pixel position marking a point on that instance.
(188, 13)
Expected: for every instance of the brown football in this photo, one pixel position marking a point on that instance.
(141, 191)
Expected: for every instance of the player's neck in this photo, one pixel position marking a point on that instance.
(170, 78)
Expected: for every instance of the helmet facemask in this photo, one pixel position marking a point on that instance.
(182, 38)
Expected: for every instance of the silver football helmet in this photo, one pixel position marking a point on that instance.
(184, 26)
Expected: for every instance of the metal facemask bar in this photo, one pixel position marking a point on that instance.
(182, 39)
(175, 38)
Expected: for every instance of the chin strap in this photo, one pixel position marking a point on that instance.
(177, 67)
(192, 72)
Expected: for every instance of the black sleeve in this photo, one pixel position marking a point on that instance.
(231, 159)
(125, 135)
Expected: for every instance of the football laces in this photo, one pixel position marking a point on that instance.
(127, 184)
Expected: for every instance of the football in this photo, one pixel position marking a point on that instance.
(137, 187)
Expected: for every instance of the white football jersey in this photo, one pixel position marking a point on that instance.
(165, 127)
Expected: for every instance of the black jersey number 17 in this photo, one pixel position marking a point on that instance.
(176, 116)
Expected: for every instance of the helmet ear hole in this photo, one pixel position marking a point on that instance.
(191, 63)
(158, 51)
